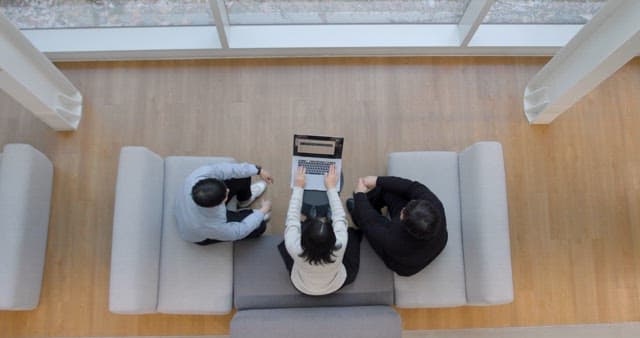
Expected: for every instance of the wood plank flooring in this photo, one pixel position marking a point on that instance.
(574, 186)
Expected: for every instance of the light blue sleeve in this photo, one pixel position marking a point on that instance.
(233, 231)
(224, 171)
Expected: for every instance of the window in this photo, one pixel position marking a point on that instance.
(282, 12)
(564, 12)
(97, 29)
(169, 28)
(43, 14)
(534, 23)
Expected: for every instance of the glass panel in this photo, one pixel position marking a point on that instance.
(543, 11)
(282, 12)
(29, 14)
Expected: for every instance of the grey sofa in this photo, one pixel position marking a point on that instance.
(26, 178)
(474, 268)
(152, 268)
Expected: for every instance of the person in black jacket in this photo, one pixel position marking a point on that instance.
(416, 232)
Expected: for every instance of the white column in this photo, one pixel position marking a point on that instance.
(603, 45)
(30, 78)
(472, 18)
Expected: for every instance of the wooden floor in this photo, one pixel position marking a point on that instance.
(574, 186)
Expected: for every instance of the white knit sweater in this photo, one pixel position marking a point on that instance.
(318, 279)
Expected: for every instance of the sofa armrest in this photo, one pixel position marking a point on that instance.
(485, 225)
(26, 178)
(137, 228)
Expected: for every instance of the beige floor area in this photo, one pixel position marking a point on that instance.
(574, 185)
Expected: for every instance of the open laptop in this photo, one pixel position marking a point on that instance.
(316, 154)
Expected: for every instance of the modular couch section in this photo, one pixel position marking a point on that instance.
(472, 188)
(26, 179)
(152, 268)
(262, 280)
(194, 279)
(137, 219)
(441, 283)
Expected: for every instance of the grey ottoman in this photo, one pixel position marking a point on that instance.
(323, 322)
(261, 279)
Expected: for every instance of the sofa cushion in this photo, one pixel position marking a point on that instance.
(193, 278)
(137, 229)
(441, 283)
(262, 280)
(352, 322)
(26, 178)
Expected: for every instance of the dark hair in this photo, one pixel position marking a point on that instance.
(209, 192)
(420, 219)
(318, 240)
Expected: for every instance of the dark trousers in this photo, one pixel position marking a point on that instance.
(241, 188)
(350, 260)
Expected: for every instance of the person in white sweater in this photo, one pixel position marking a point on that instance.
(322, 255)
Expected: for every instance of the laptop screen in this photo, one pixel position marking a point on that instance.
(317, 146)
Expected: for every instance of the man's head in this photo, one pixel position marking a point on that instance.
(419, 218)
(318, 240)
(209, 192)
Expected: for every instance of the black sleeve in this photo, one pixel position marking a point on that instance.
(374, 225)
(411, 190)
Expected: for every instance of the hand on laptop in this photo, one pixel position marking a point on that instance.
(331, 178)
(266, 176)
(299, 180)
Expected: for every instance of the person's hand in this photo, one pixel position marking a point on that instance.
(370, 181)
(266, 206)
(360, 186)
(266, 176)
(299, 180)
(331, 178)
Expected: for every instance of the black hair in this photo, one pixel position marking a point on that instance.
(209, 192)
(420, 219)
(318, 241)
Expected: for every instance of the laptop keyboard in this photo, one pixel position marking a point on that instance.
(314, 167)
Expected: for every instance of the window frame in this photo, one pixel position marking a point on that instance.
(469, 37)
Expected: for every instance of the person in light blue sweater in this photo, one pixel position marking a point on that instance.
(201, 213)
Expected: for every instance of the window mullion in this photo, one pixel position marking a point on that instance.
(221, 19)
(472, 18)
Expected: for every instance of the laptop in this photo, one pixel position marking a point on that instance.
(316, 154)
